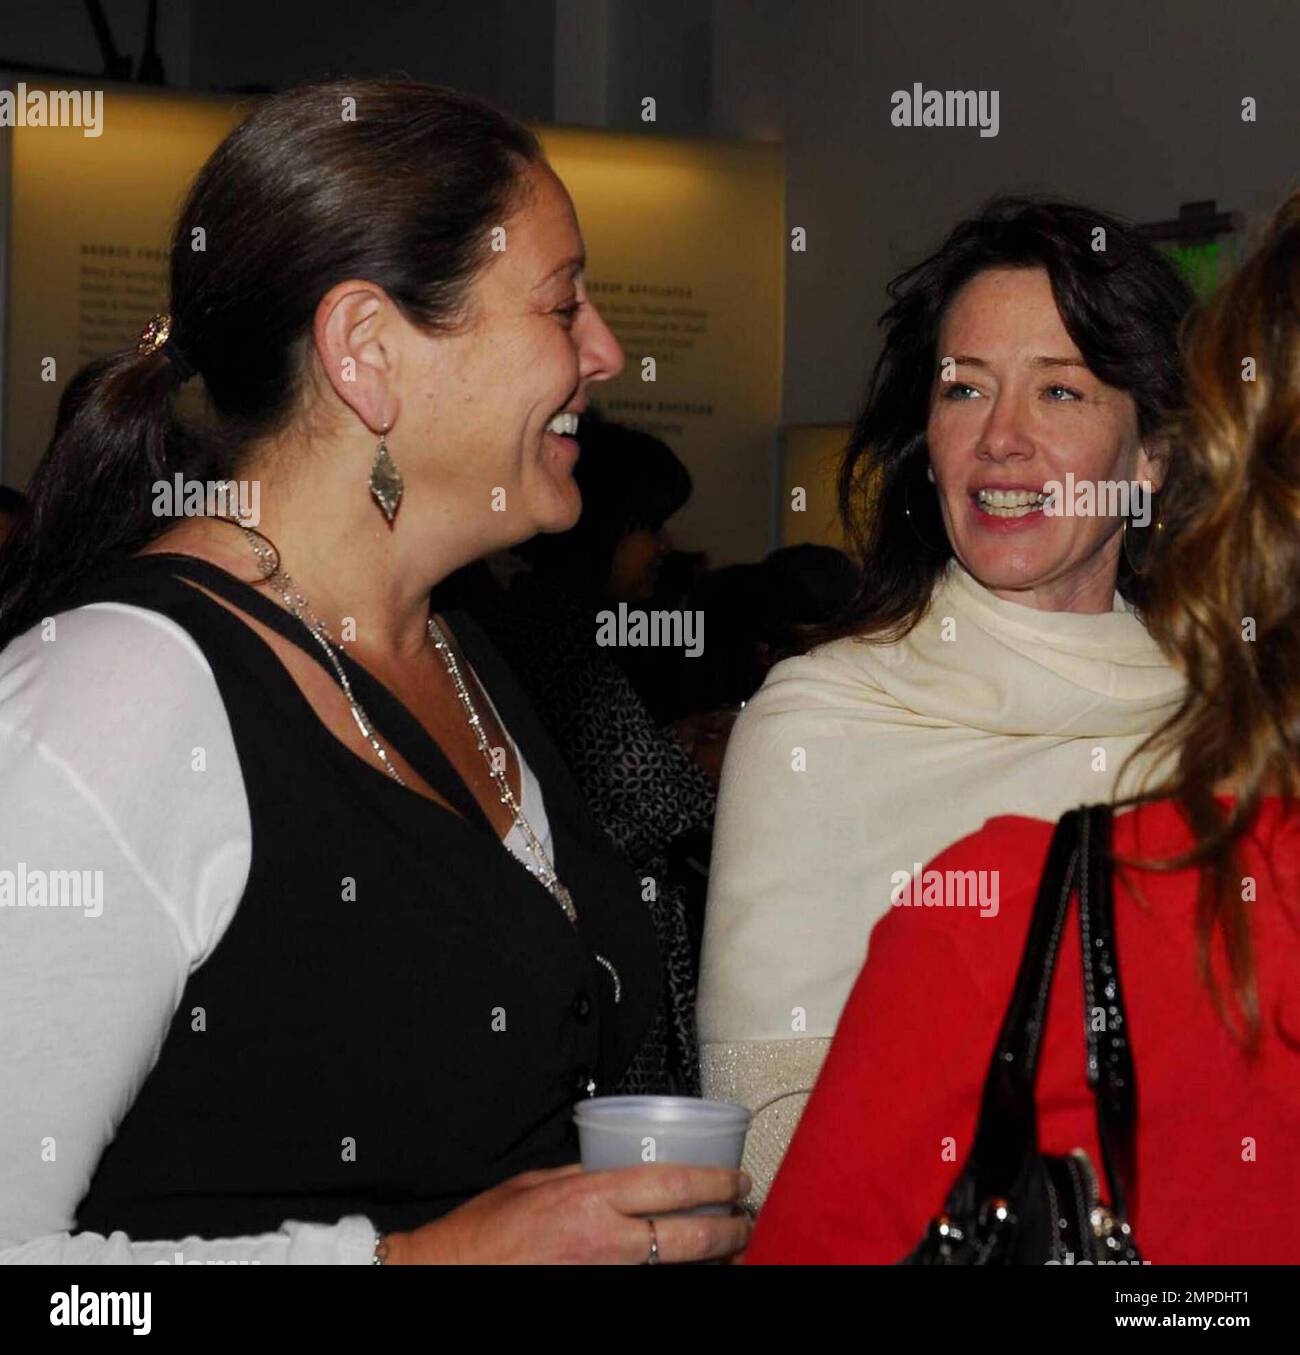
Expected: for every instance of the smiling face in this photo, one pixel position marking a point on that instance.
(503, 404)
(1021, 410)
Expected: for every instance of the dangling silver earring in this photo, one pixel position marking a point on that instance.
(929, 474)
(386, 480)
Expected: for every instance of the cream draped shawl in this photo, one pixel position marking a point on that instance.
(860, 760)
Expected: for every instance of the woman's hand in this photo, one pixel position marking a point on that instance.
(565, 1215)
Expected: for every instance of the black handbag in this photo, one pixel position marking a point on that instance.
(1012, 1205)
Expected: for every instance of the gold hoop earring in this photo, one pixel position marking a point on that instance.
(1139, 569)
(386, 482)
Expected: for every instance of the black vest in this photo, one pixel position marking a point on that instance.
(388, 1054)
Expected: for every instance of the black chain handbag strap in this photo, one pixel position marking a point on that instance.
(1078, 860)
(1109, 1065)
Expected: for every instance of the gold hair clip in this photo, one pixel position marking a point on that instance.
(155, 334)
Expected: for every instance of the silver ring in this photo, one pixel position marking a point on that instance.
(653, 1258)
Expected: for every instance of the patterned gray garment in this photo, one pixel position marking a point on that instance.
(641, 785)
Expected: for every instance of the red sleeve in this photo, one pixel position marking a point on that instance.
(891, 1119)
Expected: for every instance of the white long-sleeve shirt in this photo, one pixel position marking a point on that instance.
(118, 765)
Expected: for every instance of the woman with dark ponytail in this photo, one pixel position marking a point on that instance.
(308, 944)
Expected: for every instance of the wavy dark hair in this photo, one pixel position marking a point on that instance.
(1122, 305)
(297, 198)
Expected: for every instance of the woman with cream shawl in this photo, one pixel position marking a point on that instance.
(1001, 488)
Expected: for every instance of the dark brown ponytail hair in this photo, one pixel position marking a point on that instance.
(392, 181)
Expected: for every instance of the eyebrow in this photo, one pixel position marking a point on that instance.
(574, 265)
(965, 360)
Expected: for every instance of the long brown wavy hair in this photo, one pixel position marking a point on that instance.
(1222, 596)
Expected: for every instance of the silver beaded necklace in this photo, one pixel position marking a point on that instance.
(542, 868)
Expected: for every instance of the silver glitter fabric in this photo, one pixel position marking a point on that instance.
(773, 1078)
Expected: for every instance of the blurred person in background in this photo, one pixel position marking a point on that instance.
(755, 616)
(660, 674)
(808, 587)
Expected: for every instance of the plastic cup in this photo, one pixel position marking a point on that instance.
(631, 1131)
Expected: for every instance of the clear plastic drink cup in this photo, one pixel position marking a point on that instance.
(632, 1131)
